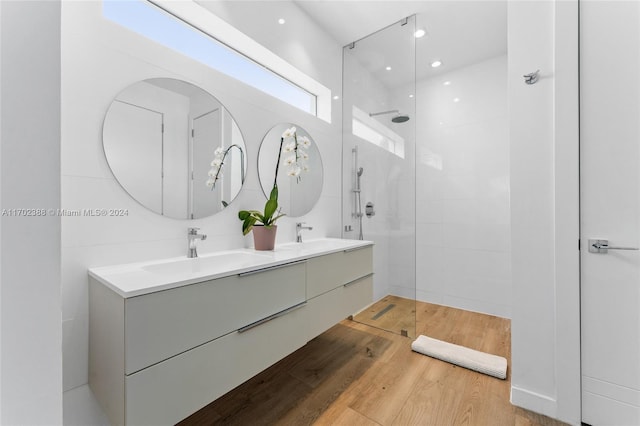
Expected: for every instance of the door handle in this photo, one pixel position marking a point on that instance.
(602, 246)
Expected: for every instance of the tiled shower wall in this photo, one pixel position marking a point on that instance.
(463, 228)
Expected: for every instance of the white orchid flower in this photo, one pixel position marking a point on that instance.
(289, 132)
(303, 154)
(305, 167)
(219, 151)
(210, 183)
(217, 162)
(290, 147)
(290, 160)
(212, 173)
(294, 171)
(304, 141)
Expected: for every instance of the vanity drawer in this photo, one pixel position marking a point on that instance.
(357, 294)
(176, 388)
(166, 323)
(329, 308)
(324, 273)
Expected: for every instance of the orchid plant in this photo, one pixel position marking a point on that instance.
(216, 167)
(297, 163)
(297, 160)
(218, 161)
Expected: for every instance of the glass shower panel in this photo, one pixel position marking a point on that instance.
(379, 168)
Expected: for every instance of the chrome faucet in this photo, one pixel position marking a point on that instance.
(193, 236)
(299, 229)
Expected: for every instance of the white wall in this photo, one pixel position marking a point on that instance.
(99, 59)
(463, 232)
(31, 364)
(543, 134)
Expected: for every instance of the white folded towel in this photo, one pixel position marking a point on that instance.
(492, 365)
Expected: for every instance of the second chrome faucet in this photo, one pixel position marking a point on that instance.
(193, 237)
(299, 229)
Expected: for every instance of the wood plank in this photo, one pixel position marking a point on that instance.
(353, 418)
(388, 386)
(355, 374)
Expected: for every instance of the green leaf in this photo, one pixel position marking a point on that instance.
(270, 208)
(243, 214)
(277, 217)
(248, 224)
(274, 194)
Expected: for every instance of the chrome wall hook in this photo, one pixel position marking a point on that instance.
(532, 78)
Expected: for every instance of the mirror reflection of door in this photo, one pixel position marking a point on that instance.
(136, 152)
(206, 136)
(160, 136)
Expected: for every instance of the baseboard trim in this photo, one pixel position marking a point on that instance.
(533, 401)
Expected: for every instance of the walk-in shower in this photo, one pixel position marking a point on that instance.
(379, 167)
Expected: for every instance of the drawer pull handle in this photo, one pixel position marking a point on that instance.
(349, 250)
(357, 280)
(271, 317)
(270, 268)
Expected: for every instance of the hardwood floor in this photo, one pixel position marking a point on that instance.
(355, 374)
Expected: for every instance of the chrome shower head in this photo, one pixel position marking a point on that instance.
(400, 118)
(397, 118)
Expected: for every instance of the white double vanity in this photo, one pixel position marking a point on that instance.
(167, 338)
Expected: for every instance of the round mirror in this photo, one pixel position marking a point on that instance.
(174, 148)
(289, 151)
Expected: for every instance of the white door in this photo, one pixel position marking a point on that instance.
(133, 146)
(610, 210)
(207, 136)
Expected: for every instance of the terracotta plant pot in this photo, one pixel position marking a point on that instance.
(264, 238)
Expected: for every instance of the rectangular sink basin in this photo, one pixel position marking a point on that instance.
(210, 264)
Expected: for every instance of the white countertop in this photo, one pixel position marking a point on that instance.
(136, 279)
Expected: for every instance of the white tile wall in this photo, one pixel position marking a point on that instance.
(463, 214)
(82, 409)
(99, 59)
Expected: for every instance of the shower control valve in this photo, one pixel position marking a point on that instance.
(369, 210)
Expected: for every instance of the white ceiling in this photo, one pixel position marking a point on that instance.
(459, 33)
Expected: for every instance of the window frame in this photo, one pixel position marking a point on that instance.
(203, 20)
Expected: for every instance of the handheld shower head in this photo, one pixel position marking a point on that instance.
(360, 171)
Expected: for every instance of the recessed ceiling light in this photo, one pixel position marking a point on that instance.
(419, 33)
(447, 83)
(388, 68)
(436, 64)
(456, 99)
(336, 97)
(281, 21)
(411, 96)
